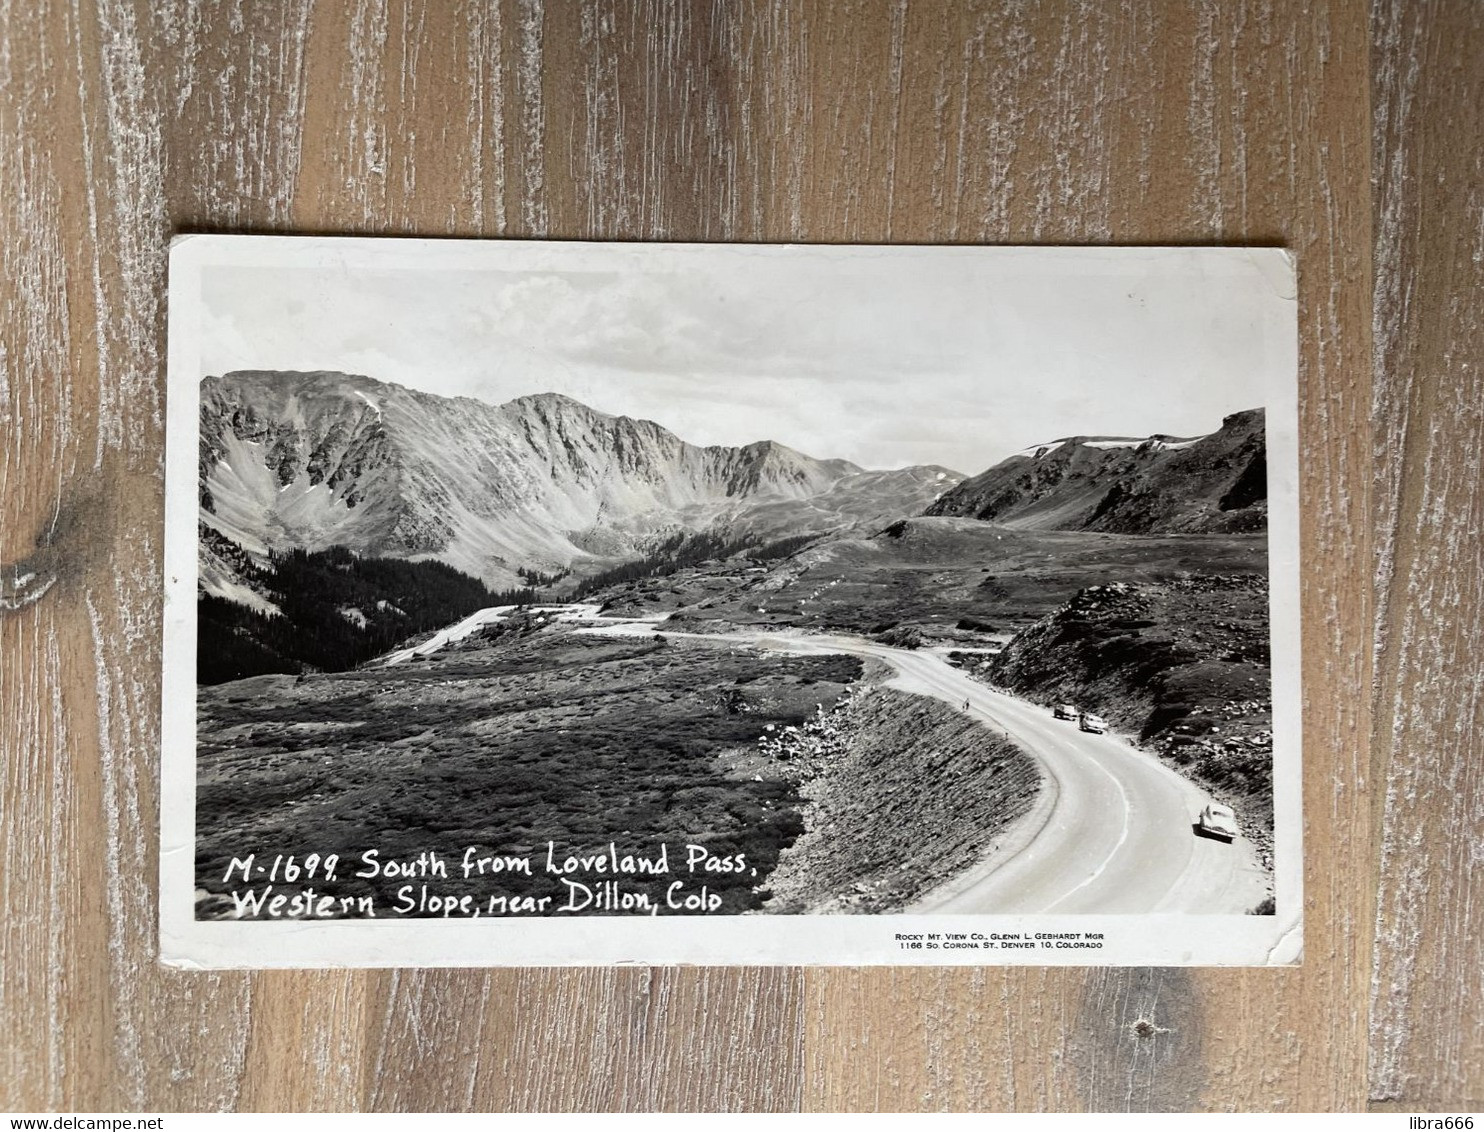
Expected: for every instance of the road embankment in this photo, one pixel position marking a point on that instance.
(918, 794)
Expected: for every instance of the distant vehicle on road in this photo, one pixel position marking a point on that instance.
(1217, 820)
(1064, 711)
(1089, 722)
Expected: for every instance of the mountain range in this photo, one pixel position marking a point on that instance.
(292, 460)
(1128, 485)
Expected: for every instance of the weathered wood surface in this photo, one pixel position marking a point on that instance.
(122, 123)
(1427, 1008)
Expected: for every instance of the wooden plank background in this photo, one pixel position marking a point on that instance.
(1349, 134)
(1427, 1007)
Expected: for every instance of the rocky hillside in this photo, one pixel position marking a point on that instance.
(904, 792)
(543, 483)
(1183, 665)
(1127, 485)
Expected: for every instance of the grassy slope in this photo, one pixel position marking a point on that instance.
(933, 573)
(580, 740)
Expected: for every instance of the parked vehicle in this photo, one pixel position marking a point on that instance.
(1089, 722)
(1064, 711)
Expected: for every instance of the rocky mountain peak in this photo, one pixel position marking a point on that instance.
(552, 405)
(544, 482)
(1123, 484)
(1247, 420)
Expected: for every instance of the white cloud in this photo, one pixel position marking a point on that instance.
(956, 356)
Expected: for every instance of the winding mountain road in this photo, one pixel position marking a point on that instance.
(1112, 830)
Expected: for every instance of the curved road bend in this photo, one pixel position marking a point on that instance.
(1112, 832)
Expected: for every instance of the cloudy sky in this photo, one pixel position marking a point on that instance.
(883, 356)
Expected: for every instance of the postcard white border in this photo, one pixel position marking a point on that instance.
(1133, 940)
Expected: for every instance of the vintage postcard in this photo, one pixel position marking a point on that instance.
(535, 603)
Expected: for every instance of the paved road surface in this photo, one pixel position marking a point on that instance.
(1112, 832)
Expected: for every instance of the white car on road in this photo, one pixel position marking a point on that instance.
(1089, 722)
(1219, 821)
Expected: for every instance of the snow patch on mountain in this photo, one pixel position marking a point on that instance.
(1131, 485)
(1155, 443)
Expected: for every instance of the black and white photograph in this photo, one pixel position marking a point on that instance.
(903, 605)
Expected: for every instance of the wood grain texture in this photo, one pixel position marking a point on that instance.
(125, 121)
(1427, 1044)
